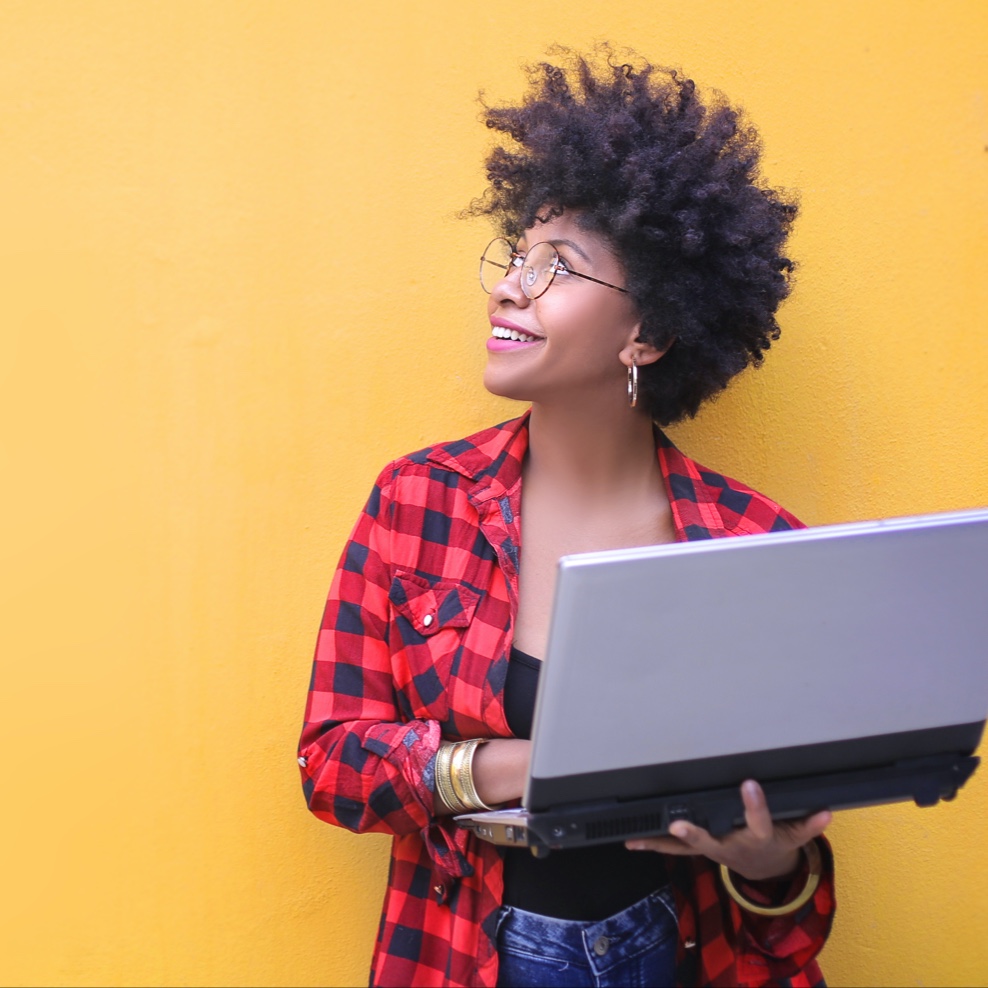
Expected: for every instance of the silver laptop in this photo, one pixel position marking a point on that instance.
(839, 666)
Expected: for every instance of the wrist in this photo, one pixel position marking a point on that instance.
(782, 870)
(500, 770)
(783, 894)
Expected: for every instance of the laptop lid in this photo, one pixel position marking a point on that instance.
(689, 666)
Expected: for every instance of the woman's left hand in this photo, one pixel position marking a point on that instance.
(760, 850)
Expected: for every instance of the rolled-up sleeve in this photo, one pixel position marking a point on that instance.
(363, 766)
(791, 941)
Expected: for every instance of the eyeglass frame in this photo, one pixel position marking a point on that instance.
(515, 255)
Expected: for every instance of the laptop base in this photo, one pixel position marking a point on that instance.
(923, 780)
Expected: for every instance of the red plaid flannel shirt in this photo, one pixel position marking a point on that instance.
(413, 649)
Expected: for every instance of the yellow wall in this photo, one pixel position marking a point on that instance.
(232, 287)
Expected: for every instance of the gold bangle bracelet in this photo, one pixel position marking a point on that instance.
(815, 862)
(456, 774)
(463, 775)
(438, 773)
(444, 782)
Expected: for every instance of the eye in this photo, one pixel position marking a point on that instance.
(562, 267)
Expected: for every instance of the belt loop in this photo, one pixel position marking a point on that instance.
(502, 914)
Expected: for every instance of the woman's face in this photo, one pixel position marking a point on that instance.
(580, 328)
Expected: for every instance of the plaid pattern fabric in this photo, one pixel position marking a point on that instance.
(413, 649)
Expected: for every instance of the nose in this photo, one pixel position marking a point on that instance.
(508, 289)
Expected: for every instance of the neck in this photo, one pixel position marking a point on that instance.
(593, 451)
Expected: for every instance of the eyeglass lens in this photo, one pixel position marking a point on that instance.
(494, 263)
(538, 267)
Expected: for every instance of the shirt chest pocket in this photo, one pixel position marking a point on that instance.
(428, 621)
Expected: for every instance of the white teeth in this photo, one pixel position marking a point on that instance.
(503, 333)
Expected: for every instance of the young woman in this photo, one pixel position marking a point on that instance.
(640, 269)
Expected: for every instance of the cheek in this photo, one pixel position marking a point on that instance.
(593, 326)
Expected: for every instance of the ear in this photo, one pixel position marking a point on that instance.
(642, 352)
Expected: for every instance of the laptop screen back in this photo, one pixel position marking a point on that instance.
(698, 651)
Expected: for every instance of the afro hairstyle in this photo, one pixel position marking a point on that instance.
(672, 184)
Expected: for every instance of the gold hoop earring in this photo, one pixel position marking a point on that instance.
(633, 383)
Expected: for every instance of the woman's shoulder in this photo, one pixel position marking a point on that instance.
(712, 504)
(491, 456)
(483, 452)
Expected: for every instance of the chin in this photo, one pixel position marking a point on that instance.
(511, 395)
(506, 389)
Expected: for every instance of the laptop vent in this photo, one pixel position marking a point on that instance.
(619, 826)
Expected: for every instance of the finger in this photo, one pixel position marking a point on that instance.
(804, 831)
(664, 845)
(695, 838)
(757, 817)
(683, 839)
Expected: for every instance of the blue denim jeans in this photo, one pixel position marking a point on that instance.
(635, 948)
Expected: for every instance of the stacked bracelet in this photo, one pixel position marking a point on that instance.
(814, 862)
(444, 784)
(454, 776)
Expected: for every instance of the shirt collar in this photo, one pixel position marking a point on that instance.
(493, 460)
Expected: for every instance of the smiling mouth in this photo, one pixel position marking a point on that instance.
(513, 334)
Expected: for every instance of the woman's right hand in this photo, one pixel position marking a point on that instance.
(500, 769)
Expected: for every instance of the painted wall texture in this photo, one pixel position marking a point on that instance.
(232, 286)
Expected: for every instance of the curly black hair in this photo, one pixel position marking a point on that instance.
(672, 183)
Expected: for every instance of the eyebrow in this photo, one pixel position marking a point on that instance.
(562, 242)
(576, 247)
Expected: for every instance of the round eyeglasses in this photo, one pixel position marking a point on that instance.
(539, 266)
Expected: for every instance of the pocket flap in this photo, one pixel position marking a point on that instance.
(431, 607)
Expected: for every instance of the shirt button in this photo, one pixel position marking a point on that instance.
(427, 620)
(690, 944)
(303, 761)
(440, 890)
(601, 946)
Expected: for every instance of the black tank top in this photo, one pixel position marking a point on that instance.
(589, 883)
